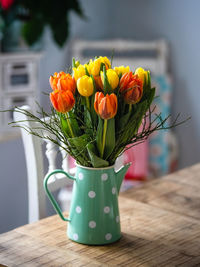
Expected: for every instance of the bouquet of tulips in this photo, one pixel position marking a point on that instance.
(98, 110)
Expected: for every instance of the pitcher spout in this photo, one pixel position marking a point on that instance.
(120, 175)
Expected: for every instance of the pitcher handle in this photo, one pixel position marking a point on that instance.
(50, 196)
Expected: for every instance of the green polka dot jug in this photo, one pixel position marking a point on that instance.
(94, 214)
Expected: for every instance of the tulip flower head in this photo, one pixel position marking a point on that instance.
(53, 80)
(79, 72)
(66, 82)
(112, 77)
(131, 87)
(94, 66)
(62, 101)
(142, 74)
(98, 82)
(105, 106)
(121, 70)
(106, 61)
(62, 81)
(85, 86)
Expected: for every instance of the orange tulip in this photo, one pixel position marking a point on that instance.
(105, 106)
(62, 81)
(62, 101)
(53, 80)
(98, 82)
(131, 87)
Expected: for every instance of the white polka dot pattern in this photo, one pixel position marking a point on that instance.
(107, 209)
(108, 236)
(91, 194)
(104, 176)
(92, 224)
(80, 176)
(75, 236)
(78, 209)
(117, 219)
(114, 190)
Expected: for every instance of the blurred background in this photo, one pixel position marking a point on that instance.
(172, 24)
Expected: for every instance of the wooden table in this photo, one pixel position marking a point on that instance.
(160, 225)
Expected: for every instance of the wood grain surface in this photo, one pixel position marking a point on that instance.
(160, 227)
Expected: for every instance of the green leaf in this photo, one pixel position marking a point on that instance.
(64, 125)
(86, 72)
(78, 146)
(123, 120)
(110, 138)
(79, 142)
(106, 86)
(101, 67)
(99, 134)
(151, 95)
(88, 120)
(60, 30)
(93, 113)
(32, 30)
(74, 124)
(96, 161)
(148, 95)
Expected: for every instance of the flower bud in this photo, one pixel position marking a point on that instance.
(85, 86)
(62, 101)
(53, 80)
(66, 82)
(106, 61)
(142, 74)
(131, 87)
(121, 70)
(94, 67)
(112, 77)
(62, 81)
(105, 106)
(78, 72)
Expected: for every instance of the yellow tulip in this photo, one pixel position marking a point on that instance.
(142, 74)
(94, 67)
(112, 76)
(77, 63)
(121, 69)
(106, 61)
(78, 72)
(85, 86)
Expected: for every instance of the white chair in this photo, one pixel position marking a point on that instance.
(35, 168)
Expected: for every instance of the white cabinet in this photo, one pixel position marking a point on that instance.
(18, 86)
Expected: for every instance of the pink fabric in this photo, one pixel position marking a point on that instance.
(71, 162)
(138, 156)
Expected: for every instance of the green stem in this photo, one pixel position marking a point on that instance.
(130, 108)
(87, 103)
(104, 137)
(69, 124)
(73, 62)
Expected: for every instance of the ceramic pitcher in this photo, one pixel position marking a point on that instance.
(94, 214)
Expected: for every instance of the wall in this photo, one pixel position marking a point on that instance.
(175, 20)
